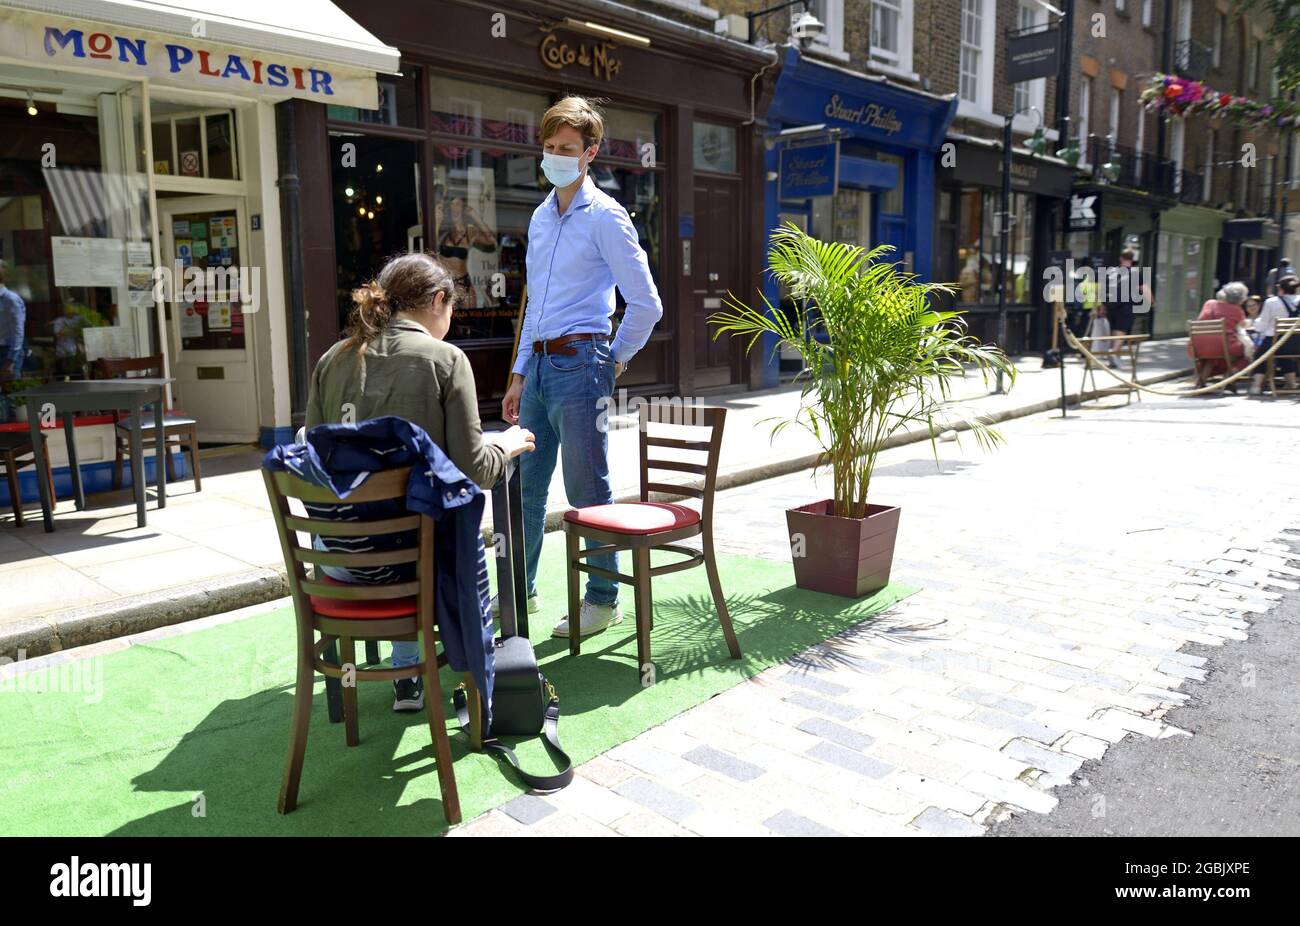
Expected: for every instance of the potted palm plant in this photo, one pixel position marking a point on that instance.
(878, 358)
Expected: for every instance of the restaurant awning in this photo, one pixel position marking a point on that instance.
(254, 47)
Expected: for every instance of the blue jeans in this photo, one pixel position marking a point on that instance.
(565, 405)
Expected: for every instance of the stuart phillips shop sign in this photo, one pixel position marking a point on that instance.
(190, 62)
(869, 114)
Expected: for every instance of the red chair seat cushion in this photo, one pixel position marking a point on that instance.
(361, 610)
(634, 517)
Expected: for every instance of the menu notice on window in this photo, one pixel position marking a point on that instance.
(88, 261)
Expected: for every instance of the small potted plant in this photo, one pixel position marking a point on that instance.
(878, 357)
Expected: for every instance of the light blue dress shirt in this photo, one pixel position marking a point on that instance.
(13, 316)
(574, 262)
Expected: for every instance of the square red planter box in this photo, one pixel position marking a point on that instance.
(851, 557)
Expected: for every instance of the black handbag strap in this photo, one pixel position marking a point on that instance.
(550, 736)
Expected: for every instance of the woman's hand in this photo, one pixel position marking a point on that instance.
(514, 440)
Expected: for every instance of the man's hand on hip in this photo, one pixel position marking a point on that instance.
(619, 368)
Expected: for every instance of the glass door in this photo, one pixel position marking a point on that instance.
(210, 289)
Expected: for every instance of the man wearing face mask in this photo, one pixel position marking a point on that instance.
(581, 245)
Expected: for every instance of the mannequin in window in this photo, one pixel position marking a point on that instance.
(464, 230)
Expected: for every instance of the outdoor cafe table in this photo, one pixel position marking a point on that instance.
(92, 395)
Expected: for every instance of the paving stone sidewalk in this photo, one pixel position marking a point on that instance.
(1061, 578)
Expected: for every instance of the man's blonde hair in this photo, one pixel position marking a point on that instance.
(578, 113)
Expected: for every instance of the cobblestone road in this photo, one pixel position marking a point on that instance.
(1061, 577)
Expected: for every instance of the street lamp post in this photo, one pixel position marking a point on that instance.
(1004, 223)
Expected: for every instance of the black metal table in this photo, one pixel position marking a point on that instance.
(512, 582)
(93, 395)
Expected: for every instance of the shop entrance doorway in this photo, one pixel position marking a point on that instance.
(211, 287)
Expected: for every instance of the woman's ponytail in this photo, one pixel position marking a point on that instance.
(370, 314)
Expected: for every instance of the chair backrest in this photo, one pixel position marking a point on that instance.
(387, 485)
(1289, 326)
(1205, 330)
(113, 367)
(681, 413)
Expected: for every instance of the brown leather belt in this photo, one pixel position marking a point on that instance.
(561, 345)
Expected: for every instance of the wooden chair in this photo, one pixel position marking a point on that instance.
(344, 613)
(179, 430)
(643, 526)
(14, 448)
(1216, 351)
(1288, 351)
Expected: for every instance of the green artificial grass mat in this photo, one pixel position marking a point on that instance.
(188, 734)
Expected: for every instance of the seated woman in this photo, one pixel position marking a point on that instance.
(1209, 347)
(1286, 304)
(394, 361)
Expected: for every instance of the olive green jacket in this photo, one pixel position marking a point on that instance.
(409, 373)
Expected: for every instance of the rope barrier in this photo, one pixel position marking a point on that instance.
(1204, 390)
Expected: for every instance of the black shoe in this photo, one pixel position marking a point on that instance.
(408, 694)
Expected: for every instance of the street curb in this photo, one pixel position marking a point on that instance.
(124, 616)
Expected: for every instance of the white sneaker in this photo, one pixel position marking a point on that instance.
(534, 605)
(593, 619)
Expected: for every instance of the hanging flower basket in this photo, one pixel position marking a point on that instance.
(1171, 95)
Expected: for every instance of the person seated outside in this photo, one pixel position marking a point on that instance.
(1286, 304)
(1209, 347)
(393, 361)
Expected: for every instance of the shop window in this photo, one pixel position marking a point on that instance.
(76, 260)
(714, 147)
(478, 110)
(979, 248)
(486, 187)
(376, 208)
(632, 135)
(193, 143)
(891, 201)
(399, 103)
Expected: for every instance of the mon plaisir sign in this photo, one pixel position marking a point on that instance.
(180, 61)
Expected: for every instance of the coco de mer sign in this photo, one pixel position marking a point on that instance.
(190, 62)
(869, 114)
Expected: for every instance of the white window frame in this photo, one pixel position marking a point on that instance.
(1146, 12)
(899, 64)
(830, 44)
(982, 106)
(1120, 6)
(1220, 20)
(1252, 62)
(1177, 142)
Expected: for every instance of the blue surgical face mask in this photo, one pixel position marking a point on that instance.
(561, 171)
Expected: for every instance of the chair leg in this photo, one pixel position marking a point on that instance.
(167, 452)
(438, 729)
(11, 475)
(644, 606)
(49, 477)
(297, 733)
(571, 543)
(372, 652)
(348, 653)
(475, 703)
(194, 459)
(719, 601)
(117, 462)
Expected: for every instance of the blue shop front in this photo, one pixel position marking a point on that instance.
(851, 157)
